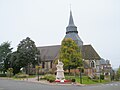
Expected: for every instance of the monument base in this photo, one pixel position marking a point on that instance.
(63, 81)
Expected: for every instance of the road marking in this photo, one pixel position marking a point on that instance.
(104, 85)
(116, 84)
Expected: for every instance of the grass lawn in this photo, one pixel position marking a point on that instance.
(85, 80)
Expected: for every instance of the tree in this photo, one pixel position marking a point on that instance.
(118, 74)
(7, 63)
(5, 51)
(14, 63)
(27, 52)
(70, 54)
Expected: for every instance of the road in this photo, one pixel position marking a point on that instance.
(6, 84)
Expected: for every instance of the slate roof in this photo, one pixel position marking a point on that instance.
(75, 37)
(102, 61)
(89, 53)
(49, 53)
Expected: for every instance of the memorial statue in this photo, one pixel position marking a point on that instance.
(60, 71)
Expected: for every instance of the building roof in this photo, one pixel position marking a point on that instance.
(89, 53)
(49, 53)
(102, 61)
(74, 37)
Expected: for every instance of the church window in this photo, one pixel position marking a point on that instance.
(92, 64)
(43, 64)
(51, 64)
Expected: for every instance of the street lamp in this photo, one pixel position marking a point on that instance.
(38, 59)
(38, 68)
(80, 70)
(100, 73)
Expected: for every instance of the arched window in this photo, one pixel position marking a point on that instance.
(92, 64)
(43, 64)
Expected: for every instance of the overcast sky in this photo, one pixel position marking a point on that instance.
(45, 22)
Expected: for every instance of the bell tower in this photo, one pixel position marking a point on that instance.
(71, 31)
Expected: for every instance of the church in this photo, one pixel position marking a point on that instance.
(90, 57)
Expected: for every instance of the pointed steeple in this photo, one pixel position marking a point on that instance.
(71, 31)
(71, 22)
(71, 26)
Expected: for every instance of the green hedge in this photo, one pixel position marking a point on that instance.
(2, 75)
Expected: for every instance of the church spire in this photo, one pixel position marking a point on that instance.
(71, 31)
(71, 26)
(71, 22)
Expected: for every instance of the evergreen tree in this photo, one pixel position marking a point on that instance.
(15, 63)
(5, 51)
(27, 53)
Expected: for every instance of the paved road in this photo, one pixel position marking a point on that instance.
(23, 85)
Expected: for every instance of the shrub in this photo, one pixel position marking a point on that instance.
(102, 77)
(50, 71)
(116, 78)
(9, 72)
(49, 77)
(42, 78)
(73, 80)
(20, 75)
(2, 75)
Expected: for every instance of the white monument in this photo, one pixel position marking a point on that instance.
(60, 71)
